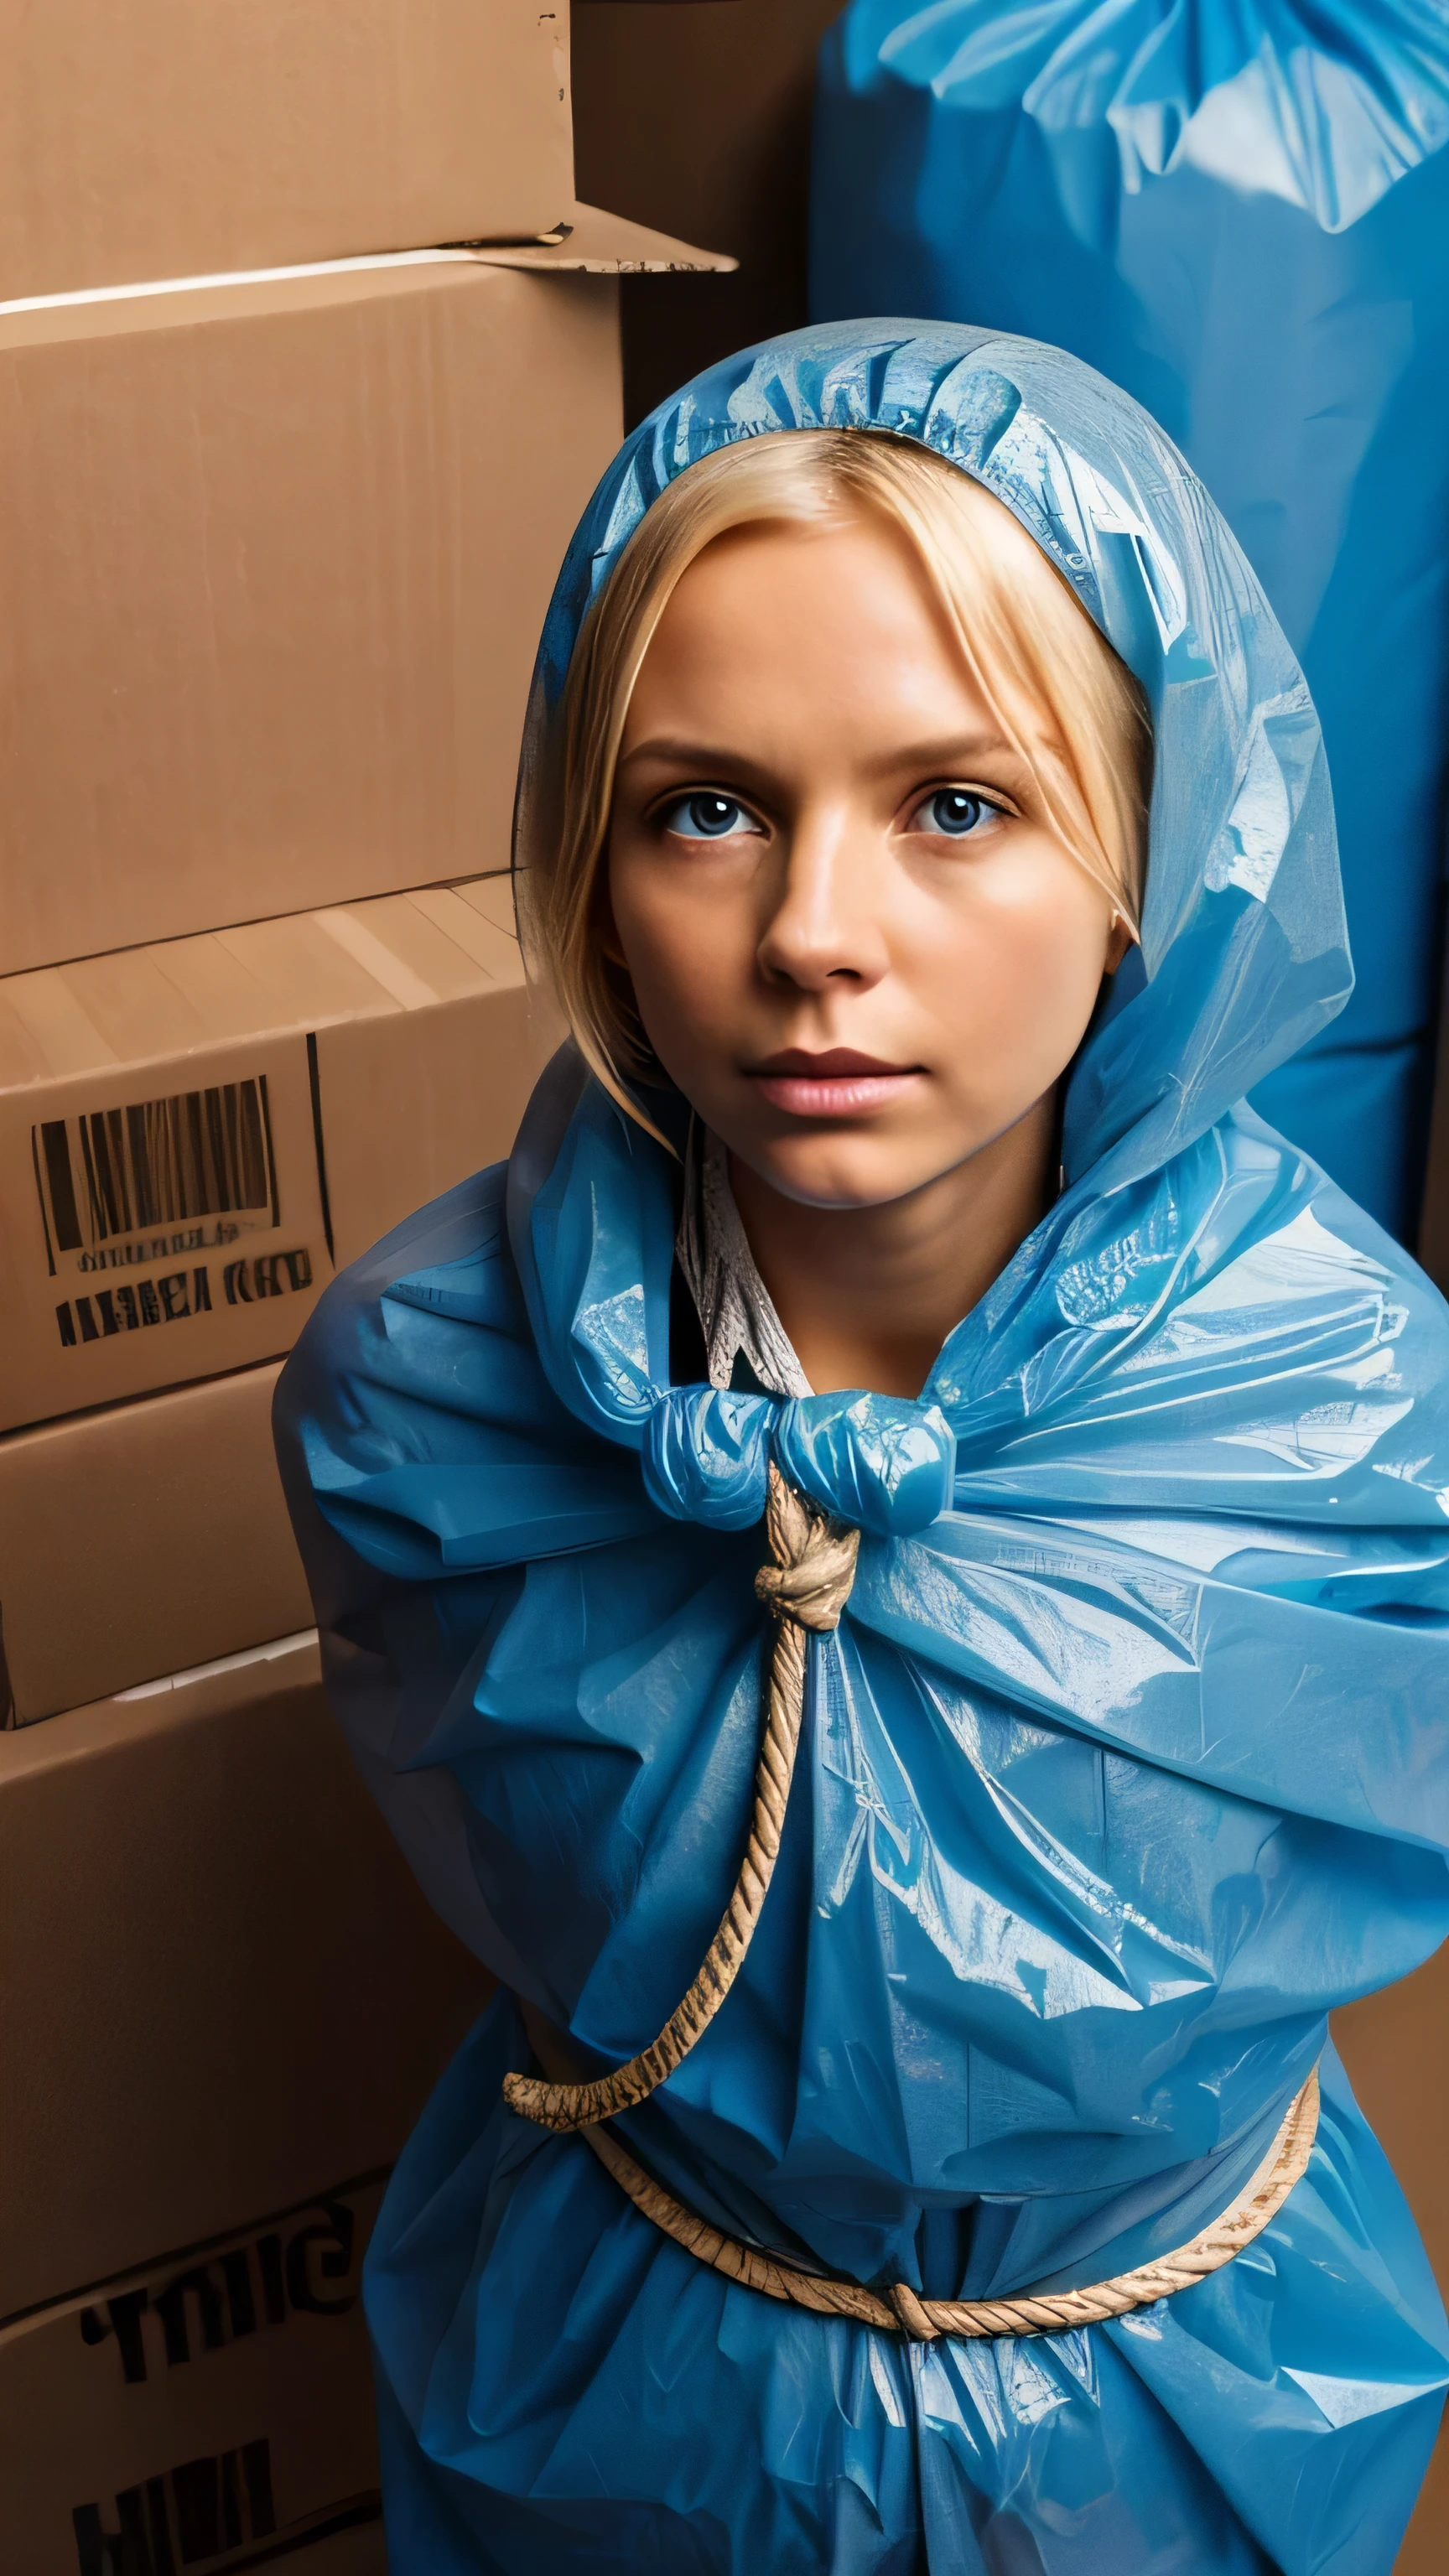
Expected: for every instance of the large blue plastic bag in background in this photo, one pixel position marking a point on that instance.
(1241, 214)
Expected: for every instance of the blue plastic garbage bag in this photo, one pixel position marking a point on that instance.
(1120, 1771)
(1238, 210)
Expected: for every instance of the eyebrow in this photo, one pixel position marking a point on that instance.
(948, 756)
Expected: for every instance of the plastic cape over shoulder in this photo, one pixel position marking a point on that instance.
(1237, 209)
(1121, 1770)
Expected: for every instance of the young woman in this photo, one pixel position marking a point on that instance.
(890, 1569)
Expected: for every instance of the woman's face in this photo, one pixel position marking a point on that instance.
(855, 945)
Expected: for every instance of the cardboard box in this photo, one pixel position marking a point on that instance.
(275, 556)
(1395, 2046)
(173, 1508)
(213, 2409)
(194, 1135)
(224, 1989)
(739, 175)
(168, 137)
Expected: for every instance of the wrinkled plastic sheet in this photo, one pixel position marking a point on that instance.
(1128, 1761)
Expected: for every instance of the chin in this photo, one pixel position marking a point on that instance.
(825, 1173)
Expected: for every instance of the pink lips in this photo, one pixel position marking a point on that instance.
(836, 1084)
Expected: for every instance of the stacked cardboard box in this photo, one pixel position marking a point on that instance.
(284, 482)
(194, 1137)
(166, 139)
(226, 2002)
(739, 175)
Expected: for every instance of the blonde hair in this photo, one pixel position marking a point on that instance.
(1065, 701)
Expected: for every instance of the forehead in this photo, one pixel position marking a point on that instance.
(843, 602)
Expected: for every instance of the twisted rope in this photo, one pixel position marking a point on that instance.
(901, 2311)
(806, 1586)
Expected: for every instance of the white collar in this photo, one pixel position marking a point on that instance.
(736, 1312)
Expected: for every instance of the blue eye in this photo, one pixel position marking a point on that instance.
(953, 811)
(706, 816)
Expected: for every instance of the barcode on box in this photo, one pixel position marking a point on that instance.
(116, 1172)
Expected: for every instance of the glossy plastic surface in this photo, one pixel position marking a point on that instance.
(1238, 210)
(1120, 1772)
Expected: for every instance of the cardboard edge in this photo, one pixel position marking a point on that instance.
(604, 245)
(585, 241)
(103, 1728)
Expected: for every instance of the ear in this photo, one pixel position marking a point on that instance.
(1120, 938)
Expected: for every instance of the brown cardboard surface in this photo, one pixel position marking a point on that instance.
(167, 137)
(738, 175)
(193, 1134)
(141, 1540)
(275, 557)
(1395, 2046)
(223, 1988)
(212, 2409)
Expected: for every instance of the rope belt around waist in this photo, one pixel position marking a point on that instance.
(807, 1585)
(900, 2310)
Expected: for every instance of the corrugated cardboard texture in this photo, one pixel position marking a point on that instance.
(193, 1134)
(214, 2406)
(275, 558)
(736, 174)
(223, 1988)
(1396, 2049)
(142, 1540)
(167, 137)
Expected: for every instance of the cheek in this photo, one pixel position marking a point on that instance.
(684, 937)
(1016, 961)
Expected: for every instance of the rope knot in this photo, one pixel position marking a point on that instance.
(814, 1557)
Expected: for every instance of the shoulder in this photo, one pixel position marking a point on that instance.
(1284, 1232)
(425, 1336)
(1293, 1356)
(458, 1241)
(415, 1424)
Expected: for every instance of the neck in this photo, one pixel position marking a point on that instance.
(868, 1295)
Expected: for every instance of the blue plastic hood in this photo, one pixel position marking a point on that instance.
(1244, 942)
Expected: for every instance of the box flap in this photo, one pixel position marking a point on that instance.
(605, 245)
(585, 239)
(177, 997)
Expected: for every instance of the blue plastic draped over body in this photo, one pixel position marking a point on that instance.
(1129, 1759)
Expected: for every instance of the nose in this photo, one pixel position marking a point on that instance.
(825, 923)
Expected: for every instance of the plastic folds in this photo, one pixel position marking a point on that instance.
(1128, 1759)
